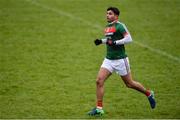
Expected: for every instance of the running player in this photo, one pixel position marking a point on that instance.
(116, 60)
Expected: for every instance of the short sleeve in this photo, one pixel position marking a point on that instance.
(122, 28)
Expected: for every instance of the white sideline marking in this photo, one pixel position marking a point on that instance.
(157, 51)
(62, 13)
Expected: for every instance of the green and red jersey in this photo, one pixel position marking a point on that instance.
(115, 31)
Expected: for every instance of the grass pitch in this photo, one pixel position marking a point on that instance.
(48, 62)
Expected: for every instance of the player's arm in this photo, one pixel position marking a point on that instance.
(100, 41)
(127, 39)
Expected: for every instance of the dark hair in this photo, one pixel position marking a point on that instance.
(115, 10)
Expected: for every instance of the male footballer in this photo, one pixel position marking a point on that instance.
(116, 60)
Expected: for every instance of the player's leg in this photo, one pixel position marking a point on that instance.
(130, 83)
(101, 77)
(123, 69)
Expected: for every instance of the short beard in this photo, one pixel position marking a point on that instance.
(109, 21)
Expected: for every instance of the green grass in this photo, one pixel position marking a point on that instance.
(48, 62)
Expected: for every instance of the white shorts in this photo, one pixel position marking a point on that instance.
(120, 66)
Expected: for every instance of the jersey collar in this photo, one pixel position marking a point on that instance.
(113, 22)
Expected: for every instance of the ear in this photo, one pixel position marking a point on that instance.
(116, 17)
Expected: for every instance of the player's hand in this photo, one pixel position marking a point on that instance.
(110, 42)
(98, 42)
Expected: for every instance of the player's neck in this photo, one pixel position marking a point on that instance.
(113, 22)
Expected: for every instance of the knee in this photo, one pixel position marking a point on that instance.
(99, 81)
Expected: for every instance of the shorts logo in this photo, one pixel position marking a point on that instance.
(109, 30)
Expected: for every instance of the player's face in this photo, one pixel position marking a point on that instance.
(110, 16)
